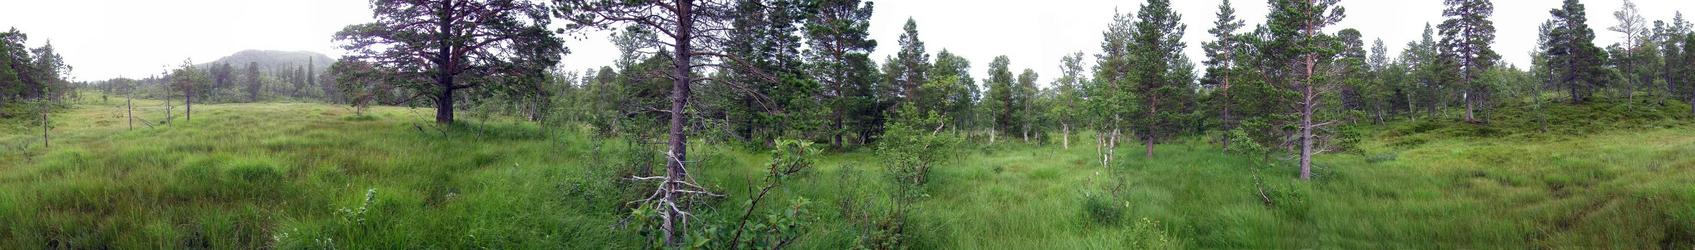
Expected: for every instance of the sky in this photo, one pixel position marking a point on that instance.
(136, 38)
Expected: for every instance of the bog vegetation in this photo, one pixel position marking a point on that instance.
(766, 124)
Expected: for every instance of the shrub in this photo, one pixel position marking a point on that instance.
(1102, 209)
(1147, 234)
(911, 148)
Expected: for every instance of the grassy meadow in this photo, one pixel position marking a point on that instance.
(313, 176)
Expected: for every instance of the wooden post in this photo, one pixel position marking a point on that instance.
(129, 109)
(45, 141)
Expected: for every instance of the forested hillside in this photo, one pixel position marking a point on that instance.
(775, 124)
(271, 59)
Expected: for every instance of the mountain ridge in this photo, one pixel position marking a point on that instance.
(273, 60)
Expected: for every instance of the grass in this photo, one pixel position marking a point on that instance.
(317, 176)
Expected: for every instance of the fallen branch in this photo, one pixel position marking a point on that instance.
(1261, 185)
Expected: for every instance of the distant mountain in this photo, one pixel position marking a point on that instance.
(270, 60)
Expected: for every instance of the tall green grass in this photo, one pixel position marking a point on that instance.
(316, 176)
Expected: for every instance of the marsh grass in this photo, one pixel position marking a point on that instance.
(287, 175)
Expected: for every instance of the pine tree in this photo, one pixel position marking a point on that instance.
(1158, 34)
(1670, 37)
(1295, 27)
(1688, 70)
(914, 63)
(766, 94)
(11, 54)
(253, 86)
(1572, 49)
(683, 23)
(458, 45)
(48, 73)
(1466, 39)
(1429, 76)
(1379, 93)
(1351, 64)
(187, 79)
(311, 72)
(17, 79)
(837, 32)
(1221, 63)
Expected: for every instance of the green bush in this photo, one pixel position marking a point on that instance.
(1102, 209)
(1147, 234)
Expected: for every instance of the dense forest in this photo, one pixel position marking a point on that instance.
(797, 78)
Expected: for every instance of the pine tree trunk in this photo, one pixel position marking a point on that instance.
(836, 125)
(45, 140)
(1224, 116)
(1152, 127)
(444, 107)
(1306, 140)
(1150, 143)
(674, 226)
(1308, 99)
(188, 103)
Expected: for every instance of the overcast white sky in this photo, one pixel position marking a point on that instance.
(135, 38)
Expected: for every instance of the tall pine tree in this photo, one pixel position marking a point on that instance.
(1571, 48)
(837, 33)
(1221, 63)
(1466, 39)
(1296, 28)
(1157, 36)
(914, 64)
